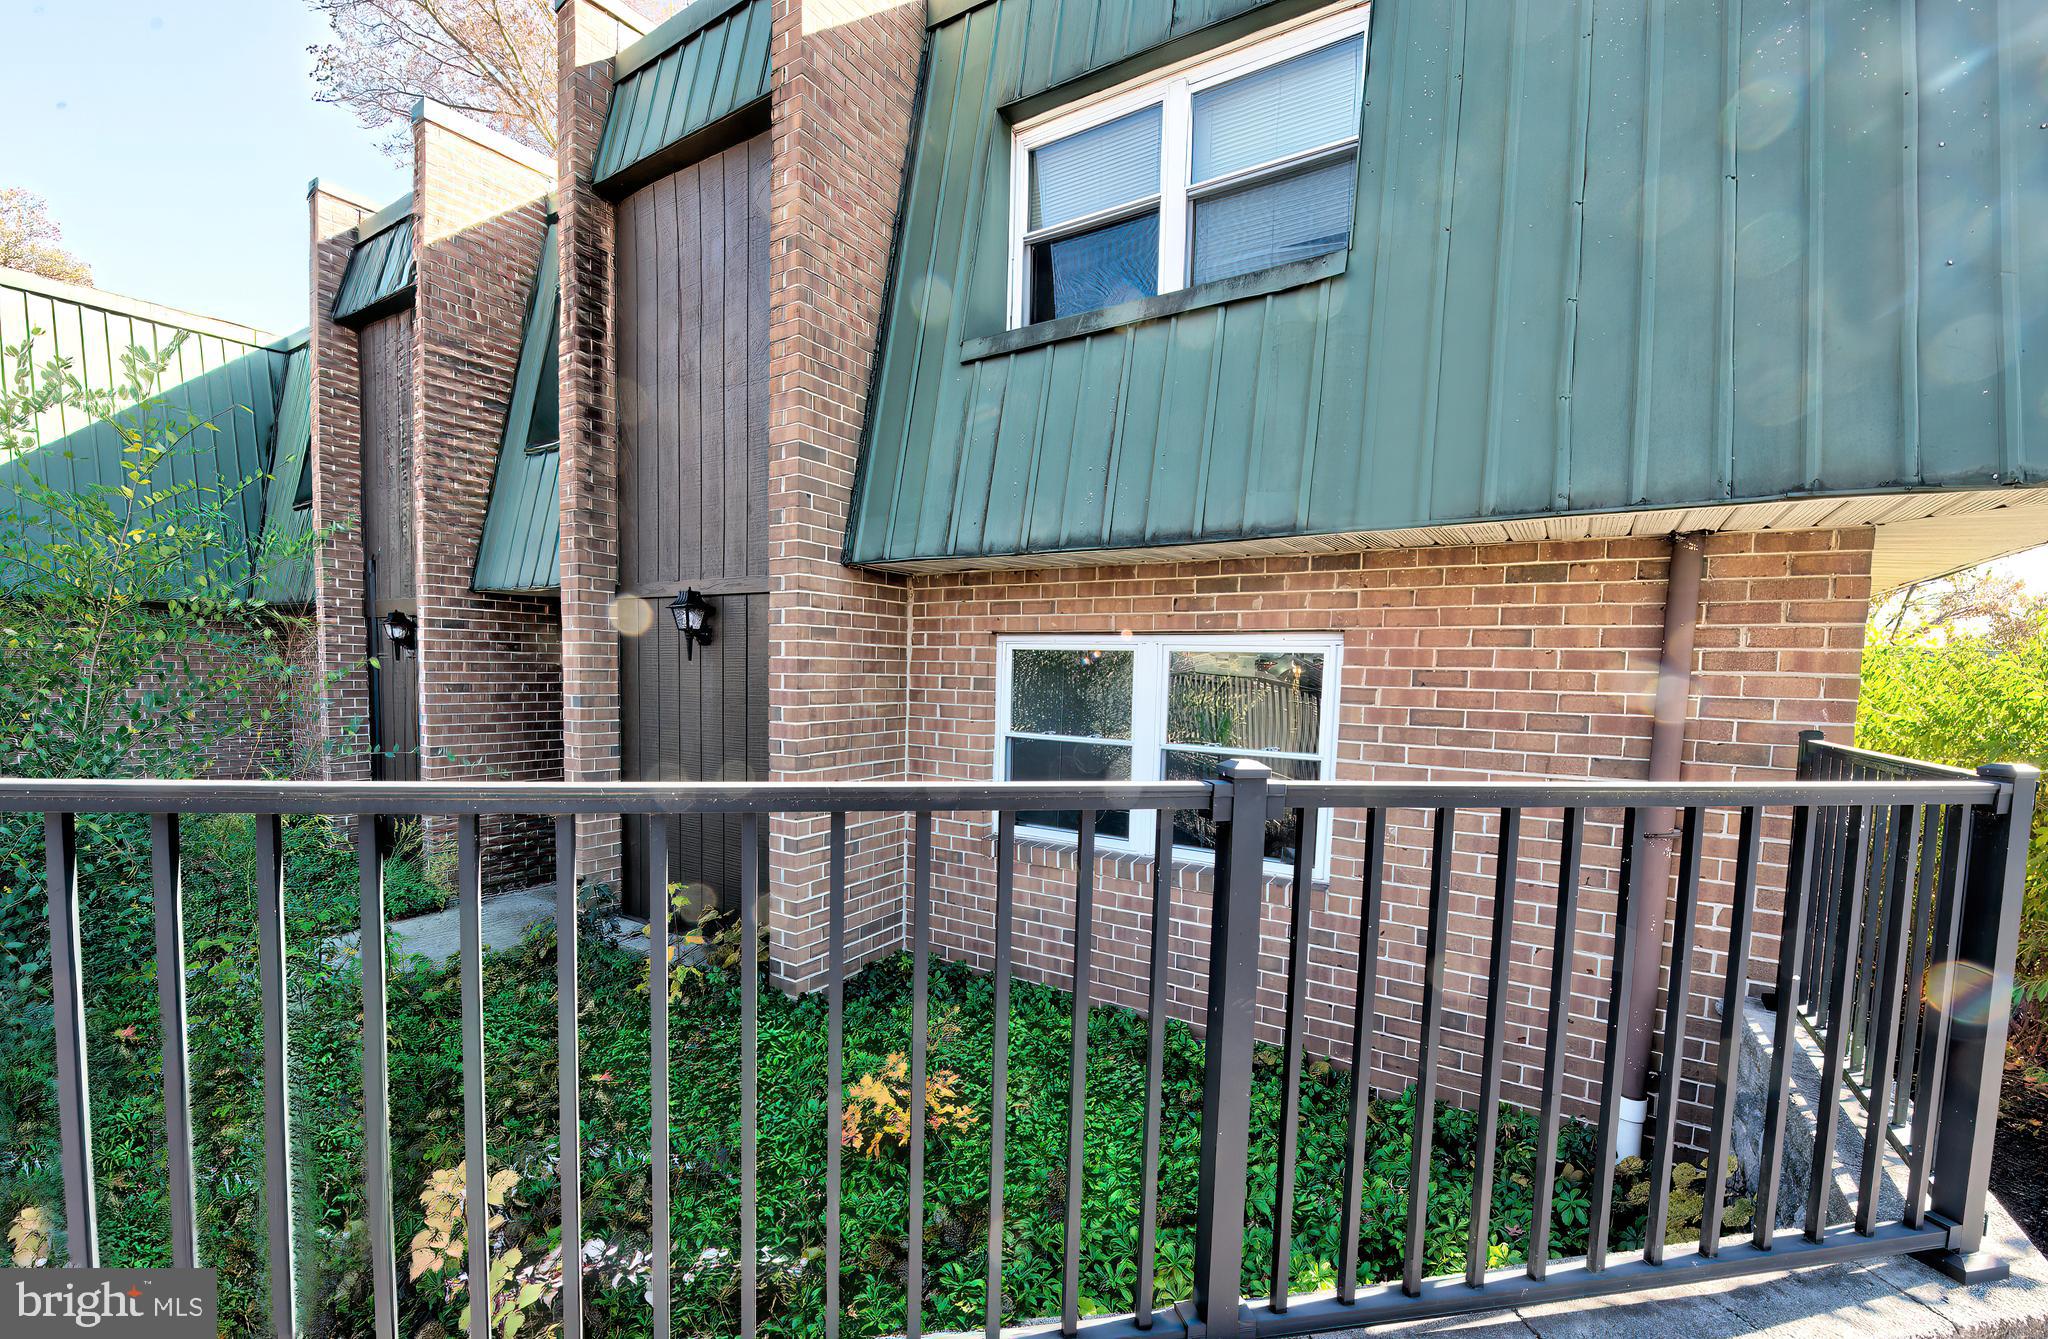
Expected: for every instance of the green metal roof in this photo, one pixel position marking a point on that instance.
(232, 377)
(380, 274)
(286, 520)
(702, 66)
(521, 545)
(1604, 256)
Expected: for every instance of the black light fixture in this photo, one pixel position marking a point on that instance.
(692, 613)
(402, 631)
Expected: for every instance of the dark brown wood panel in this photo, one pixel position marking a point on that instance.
(386, 357)
(693, 494)
(698, 718)
(693, 374)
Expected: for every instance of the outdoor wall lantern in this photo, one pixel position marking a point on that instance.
(403, 632)
(692, 613)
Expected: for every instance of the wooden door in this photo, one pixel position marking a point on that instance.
(693, 496)
(386, 358)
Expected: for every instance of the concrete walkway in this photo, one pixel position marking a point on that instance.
(1899, 1298)
(437, 936)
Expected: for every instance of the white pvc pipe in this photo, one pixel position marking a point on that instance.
(1628, 1141)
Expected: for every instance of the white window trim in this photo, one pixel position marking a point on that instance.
(1151, 657)
(1172, 89)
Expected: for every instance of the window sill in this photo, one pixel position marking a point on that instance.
(1062, 855)
(1259, 283)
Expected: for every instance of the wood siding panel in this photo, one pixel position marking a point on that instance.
(693, 360)
(693, 493)
(698, 718)
(1604, 256)
(388, 549)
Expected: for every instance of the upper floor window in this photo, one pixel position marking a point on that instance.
(1238, 163)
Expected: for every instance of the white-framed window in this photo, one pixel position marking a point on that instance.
(1235, 163)
(1168, 708)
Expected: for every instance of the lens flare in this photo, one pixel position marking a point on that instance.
(1959, 989)
(632, 615)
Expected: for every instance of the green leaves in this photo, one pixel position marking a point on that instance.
(1979, 695)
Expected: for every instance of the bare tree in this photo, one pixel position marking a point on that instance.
(491, 59)
(29, 237)
(1978, 601)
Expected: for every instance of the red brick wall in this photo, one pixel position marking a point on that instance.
(490, 664)
(588, 34)
(337, 421)
(844, 83)
(1459, 664)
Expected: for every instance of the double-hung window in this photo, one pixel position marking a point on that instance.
(1165, 708)
(1234, 164)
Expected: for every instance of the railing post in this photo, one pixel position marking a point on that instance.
(1981, 969)
(1227, 1069)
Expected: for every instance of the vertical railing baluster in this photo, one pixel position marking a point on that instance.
(1864, 965)
(1664, 1149)
(1801, 908)
(1556, 1033)
(1914, 1020)
(1625, 911)
(569, 1077)
(1227, 1059)
(1734, 991)
(371, 952)
(1827, 895)
(1357, 1117)
(999, 1069)
(835, 1060)
(1500, 964)
(1836, 1039)
(167, 884)
(920, 993)
(270, 964)
(1442, 840)
(1985, 950)
(469, 896)
(74, 1086)
(1290, 1070)
(750, 1072)
(1077, 1069)
(1946, 912)
(1884, 1036)
(1155, 1066)
(659, 1170)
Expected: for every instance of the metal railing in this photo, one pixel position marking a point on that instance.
(1967, 885)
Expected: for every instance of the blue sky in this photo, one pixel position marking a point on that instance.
(174, 139)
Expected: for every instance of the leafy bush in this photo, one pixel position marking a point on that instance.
(1975, 694)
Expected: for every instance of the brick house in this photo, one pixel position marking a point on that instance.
(429, 326)
(1093, 390)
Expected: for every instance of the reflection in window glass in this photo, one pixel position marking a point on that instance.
(1197, 831)
(1086, 271)
(1256, 701)
(1173, 709)
(1079, 694)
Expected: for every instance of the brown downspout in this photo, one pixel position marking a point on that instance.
(1667, 748)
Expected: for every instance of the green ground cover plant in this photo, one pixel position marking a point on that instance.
(520, 1055)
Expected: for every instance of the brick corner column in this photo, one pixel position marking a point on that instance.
(588, 34)
(337, 422)
(490, 666)
(844, 88)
